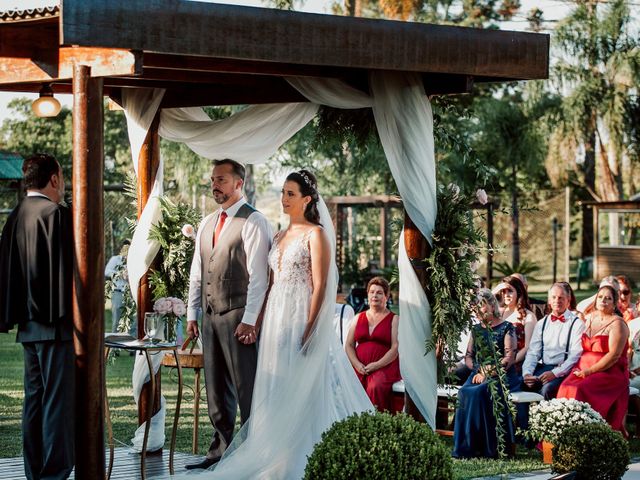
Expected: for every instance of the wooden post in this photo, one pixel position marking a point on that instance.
(148, 163)
(384, 215)
(489, 244)
(88, 278)
(417, 250)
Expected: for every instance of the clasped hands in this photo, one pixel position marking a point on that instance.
(531, 380)
(368, 369)
(246, 334)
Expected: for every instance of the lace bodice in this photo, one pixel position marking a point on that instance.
(291, 266)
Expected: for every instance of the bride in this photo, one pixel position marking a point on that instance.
(304, 382)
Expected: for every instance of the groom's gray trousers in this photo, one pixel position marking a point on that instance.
(227, 362)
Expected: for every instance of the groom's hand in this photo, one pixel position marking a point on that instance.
(192, 329)
(245, 333)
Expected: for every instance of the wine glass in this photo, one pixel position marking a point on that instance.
(152, 326)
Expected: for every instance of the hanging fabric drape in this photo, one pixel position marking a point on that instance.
(405, 126)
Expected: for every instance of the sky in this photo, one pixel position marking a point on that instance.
(553, 10)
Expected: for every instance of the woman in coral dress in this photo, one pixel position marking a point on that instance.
(601, 377)
(372, 346)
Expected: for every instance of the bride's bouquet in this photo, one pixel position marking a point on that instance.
(549, 418)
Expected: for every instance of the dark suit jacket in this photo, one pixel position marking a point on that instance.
(36, 271)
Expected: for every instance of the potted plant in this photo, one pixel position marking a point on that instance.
(549, 419)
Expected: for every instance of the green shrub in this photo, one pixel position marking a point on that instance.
(593, 450)
(379, 446)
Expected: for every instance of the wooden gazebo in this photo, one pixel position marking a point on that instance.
(211, 54)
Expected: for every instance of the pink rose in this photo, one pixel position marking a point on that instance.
(482, 197)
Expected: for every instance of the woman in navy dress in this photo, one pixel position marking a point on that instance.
(475, 429)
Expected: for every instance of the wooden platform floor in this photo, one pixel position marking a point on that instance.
(125, 465)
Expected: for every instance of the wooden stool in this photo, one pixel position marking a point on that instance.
(190, 359)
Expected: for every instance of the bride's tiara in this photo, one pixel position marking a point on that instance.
(306, 178)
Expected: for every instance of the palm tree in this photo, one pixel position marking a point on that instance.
(595, 75)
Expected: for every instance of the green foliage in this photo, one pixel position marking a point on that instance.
(524, 267)
(451, 280)
(489, 361)
(594, 451)
(379, 446)
(171, 279)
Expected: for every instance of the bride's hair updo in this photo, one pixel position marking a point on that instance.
(308, 188)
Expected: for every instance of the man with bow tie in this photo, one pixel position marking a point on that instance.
(555, 347)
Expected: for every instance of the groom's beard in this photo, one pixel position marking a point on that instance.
(220, 197)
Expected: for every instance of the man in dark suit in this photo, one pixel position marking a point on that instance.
(36, 269)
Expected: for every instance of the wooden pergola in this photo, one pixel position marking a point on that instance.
(211, 54)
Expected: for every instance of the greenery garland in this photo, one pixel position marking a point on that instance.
(489, 362)
(176, 234)
(452, 282)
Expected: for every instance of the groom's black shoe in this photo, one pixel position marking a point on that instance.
(206, 463)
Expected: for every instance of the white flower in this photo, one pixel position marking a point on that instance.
(482, 197)
(188, 231)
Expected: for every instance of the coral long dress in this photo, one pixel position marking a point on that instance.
(371, 347)
(606, 391)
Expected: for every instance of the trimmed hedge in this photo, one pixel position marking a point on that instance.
(594, 451)
(379, 446)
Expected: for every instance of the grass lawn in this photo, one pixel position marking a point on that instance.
(124, 414)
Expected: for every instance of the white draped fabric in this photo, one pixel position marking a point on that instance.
(405, 126)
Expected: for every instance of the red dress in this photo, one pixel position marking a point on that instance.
(606, 391)
(371, 348)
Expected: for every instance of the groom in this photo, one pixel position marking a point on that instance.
(228, 283)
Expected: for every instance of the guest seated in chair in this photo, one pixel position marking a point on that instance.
(475, 424)
(556, 346)
(517, 311)
(372, 346)
(601, 377)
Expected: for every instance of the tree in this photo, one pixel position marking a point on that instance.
(596, 77)
(507, 138)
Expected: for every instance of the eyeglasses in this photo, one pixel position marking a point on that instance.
(625, 292)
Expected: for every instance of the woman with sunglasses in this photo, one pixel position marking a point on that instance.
(625, 302)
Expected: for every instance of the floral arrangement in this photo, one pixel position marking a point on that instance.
(168, 313)
(452, 282)
(549, 418)
(176, 234)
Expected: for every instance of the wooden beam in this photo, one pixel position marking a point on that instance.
(220, 65)
(51, 65)
(88, 279)
(269, 35)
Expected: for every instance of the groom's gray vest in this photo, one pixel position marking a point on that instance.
(225, 278)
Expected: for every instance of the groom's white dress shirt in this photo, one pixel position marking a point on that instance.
(555, 337)
(256, 236)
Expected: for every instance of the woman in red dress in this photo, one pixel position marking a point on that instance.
(601, 377)
(372, 346)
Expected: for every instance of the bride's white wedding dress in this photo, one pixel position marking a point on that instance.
(300, 390)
